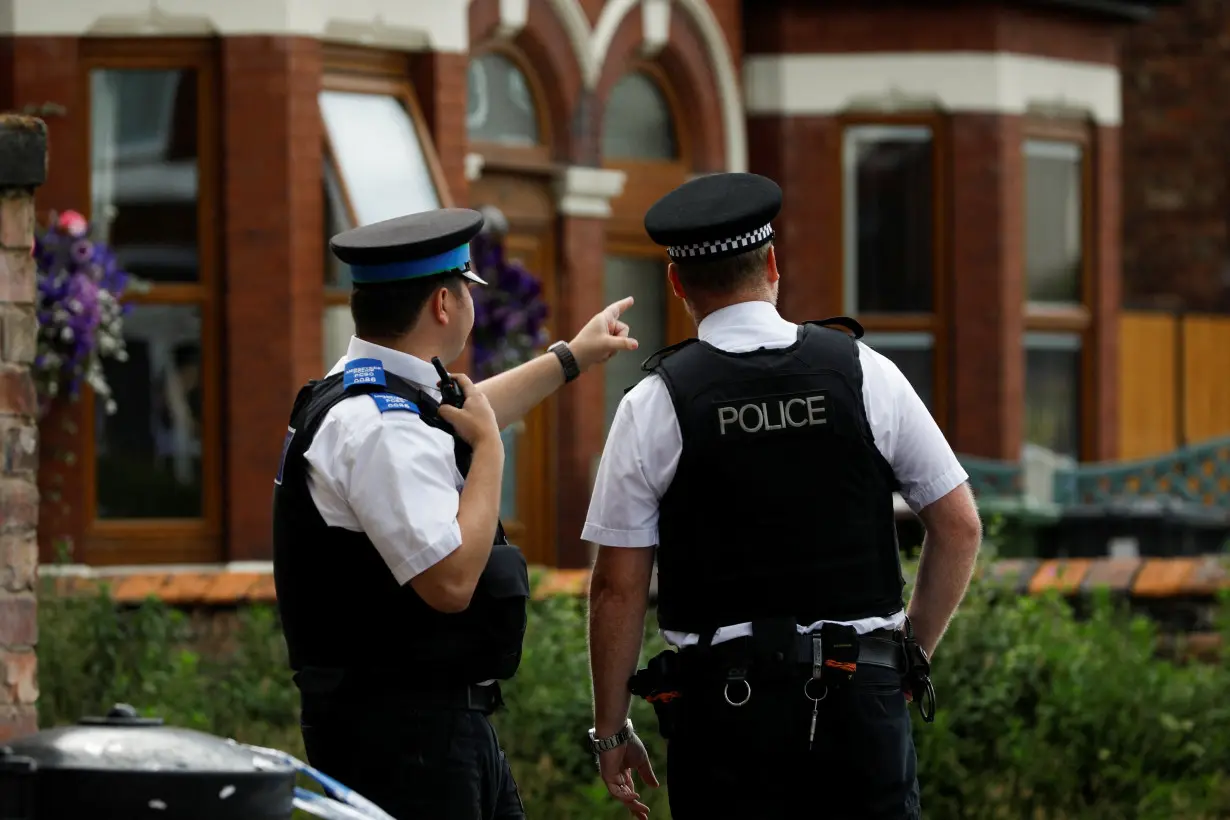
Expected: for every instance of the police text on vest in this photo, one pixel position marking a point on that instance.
(772, 413)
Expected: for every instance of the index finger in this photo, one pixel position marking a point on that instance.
(615, 308)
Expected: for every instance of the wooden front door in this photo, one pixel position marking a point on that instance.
(527, 504)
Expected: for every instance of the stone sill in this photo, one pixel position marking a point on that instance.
(252, 582)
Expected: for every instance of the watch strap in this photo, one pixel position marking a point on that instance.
(605, 744)
(566, 359)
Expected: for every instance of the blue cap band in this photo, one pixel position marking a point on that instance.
(414, 269)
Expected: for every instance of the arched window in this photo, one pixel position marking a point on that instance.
(637, 123)
(640, 138)
(500, 107)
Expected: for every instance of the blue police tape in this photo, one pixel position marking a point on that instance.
(358, 805)
(318, 805)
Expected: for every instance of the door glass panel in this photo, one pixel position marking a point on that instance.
(644, 279)
(148, 454)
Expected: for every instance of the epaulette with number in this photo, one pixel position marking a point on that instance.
(852, 325)
(655, 359)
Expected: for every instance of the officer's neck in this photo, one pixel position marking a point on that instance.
(420, 347)
(702, 308)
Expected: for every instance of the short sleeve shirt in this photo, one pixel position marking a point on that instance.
(388, 475)
(643, 447)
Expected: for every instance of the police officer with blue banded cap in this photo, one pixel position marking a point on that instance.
(401, 600)
(758, 463)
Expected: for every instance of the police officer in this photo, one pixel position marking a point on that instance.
(401, 600)
(761, 460)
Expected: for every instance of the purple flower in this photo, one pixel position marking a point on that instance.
(508, 313)
(83, 251)
(73, 274)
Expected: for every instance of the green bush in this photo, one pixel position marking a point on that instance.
(1041, 714)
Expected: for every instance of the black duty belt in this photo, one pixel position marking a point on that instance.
(476, 698)
(875, 649)
(369, 684)
(872, 651)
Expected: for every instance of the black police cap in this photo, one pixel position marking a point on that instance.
(410, 247)
(715, 216)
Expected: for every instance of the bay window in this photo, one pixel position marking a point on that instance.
(892, 248)
(1057, 288)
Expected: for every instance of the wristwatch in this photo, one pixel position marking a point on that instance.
(561, 351)
(605, 744)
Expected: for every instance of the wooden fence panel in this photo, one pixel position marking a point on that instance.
(1206, 377)
(1148, 385)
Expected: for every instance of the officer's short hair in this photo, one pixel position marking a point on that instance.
(388, 310)
(723, 275)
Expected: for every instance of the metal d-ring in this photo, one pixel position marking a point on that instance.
(746, 698)
(807, 693)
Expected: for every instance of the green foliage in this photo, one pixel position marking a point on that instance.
(1041, 714)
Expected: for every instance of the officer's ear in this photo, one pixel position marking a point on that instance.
(771, 273)
(672, 274)
(445, 301)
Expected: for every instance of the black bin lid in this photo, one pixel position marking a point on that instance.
(126, 765)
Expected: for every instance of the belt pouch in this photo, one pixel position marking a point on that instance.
(841, 646)
(773, 647)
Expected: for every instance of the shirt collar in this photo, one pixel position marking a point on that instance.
(411, 368)
(755, 316)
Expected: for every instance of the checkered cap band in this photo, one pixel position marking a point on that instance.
(722, 246)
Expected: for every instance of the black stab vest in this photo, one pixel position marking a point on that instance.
(341, 607)
(781, 505)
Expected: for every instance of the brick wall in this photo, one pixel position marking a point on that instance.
(23, 155)
(1176, 184)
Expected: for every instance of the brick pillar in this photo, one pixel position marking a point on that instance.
(801, 155)
(440, 84)
(274, 229)
(1108, 295)
(23, 167)
(439, 80)
(44, 74)
(988, 366)
(580, 420)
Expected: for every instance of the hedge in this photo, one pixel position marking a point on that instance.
(1042, 713)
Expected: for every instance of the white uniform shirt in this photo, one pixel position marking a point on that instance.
(388, 475)
(643, 448)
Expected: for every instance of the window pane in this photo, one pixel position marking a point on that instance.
(643, 278)
(914, 355)
(511, 436)
(889, 219)
(379, 155)
(148, 454)
(500, 107)
(337, 220)
(1053, 391)
(336, 332)
(1053, 217)
(637, 123)
(144, 174)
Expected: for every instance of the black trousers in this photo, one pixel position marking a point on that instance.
(414, 760)
(754, 760)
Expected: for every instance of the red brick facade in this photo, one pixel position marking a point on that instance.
(269, 143)
(1176, 194)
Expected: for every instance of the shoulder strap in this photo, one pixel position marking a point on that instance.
(655, 359)
(850, 325)
(390, 392)
(822, 342)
